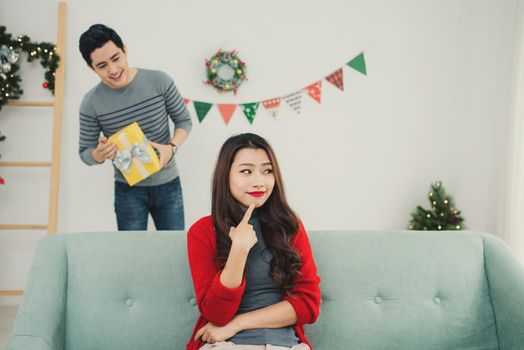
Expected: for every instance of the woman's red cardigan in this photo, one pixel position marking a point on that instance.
(218, 304)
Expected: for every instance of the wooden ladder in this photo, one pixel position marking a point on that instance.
(54, 164)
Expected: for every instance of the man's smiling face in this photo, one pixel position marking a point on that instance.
(110, 63)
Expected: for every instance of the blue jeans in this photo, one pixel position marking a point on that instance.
(164, 202)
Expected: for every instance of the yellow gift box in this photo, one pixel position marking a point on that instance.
(135, 158)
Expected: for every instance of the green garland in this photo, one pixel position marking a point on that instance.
(9, 53)
(218, 61)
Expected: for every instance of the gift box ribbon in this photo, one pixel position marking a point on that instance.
(135, 153)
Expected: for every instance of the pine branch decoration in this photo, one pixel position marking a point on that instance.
(443, 214)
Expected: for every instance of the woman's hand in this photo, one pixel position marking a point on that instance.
(243, 236)
(212, 334)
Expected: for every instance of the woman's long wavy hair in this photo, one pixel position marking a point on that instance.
(278, 222)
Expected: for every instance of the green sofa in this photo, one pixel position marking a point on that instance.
(381, 290)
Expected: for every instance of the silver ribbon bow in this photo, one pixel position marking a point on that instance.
(124, 158)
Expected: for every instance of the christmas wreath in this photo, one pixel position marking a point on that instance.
(10, 50)
(225, 71)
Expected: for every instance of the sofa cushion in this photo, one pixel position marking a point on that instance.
(121, 297)
(402, 290)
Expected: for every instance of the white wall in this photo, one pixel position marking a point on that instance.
(512, 225)
(434, 106)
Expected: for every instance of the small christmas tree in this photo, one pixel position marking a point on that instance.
(443, 214)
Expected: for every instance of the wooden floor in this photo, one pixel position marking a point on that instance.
(7, 320)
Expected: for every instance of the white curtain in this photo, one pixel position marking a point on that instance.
(512, 230)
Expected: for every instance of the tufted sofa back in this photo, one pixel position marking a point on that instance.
(129, 291)
(403, 290)
(381, 290)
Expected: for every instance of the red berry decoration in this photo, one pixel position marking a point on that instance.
(45, 85)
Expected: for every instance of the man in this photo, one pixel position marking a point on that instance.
(126, 95)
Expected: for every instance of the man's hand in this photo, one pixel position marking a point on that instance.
(165, 151)
(104, 150)
(212, 334)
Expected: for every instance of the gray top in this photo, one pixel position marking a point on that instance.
(261, 291)
(148, 100)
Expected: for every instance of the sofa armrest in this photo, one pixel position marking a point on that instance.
(505, 276)
(40, 321)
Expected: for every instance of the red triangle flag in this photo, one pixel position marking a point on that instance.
(314, 90)
(337, 78)
(227, 111)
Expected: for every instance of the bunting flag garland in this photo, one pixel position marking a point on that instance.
(272, 105)
(337, 78)
(314, 90)
(250, 110)
(294, 101)
(227, 111)
(201, 109)
(359, 64)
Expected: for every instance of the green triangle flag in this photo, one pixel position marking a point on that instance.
(201, 109)
(250, 109)
(358, 63)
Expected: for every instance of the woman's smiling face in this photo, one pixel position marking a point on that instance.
(251, 178)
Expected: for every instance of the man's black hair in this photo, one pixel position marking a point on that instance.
(95, 37)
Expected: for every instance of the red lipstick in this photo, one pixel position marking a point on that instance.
(256, 193)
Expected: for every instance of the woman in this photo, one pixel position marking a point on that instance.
(253, 271)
